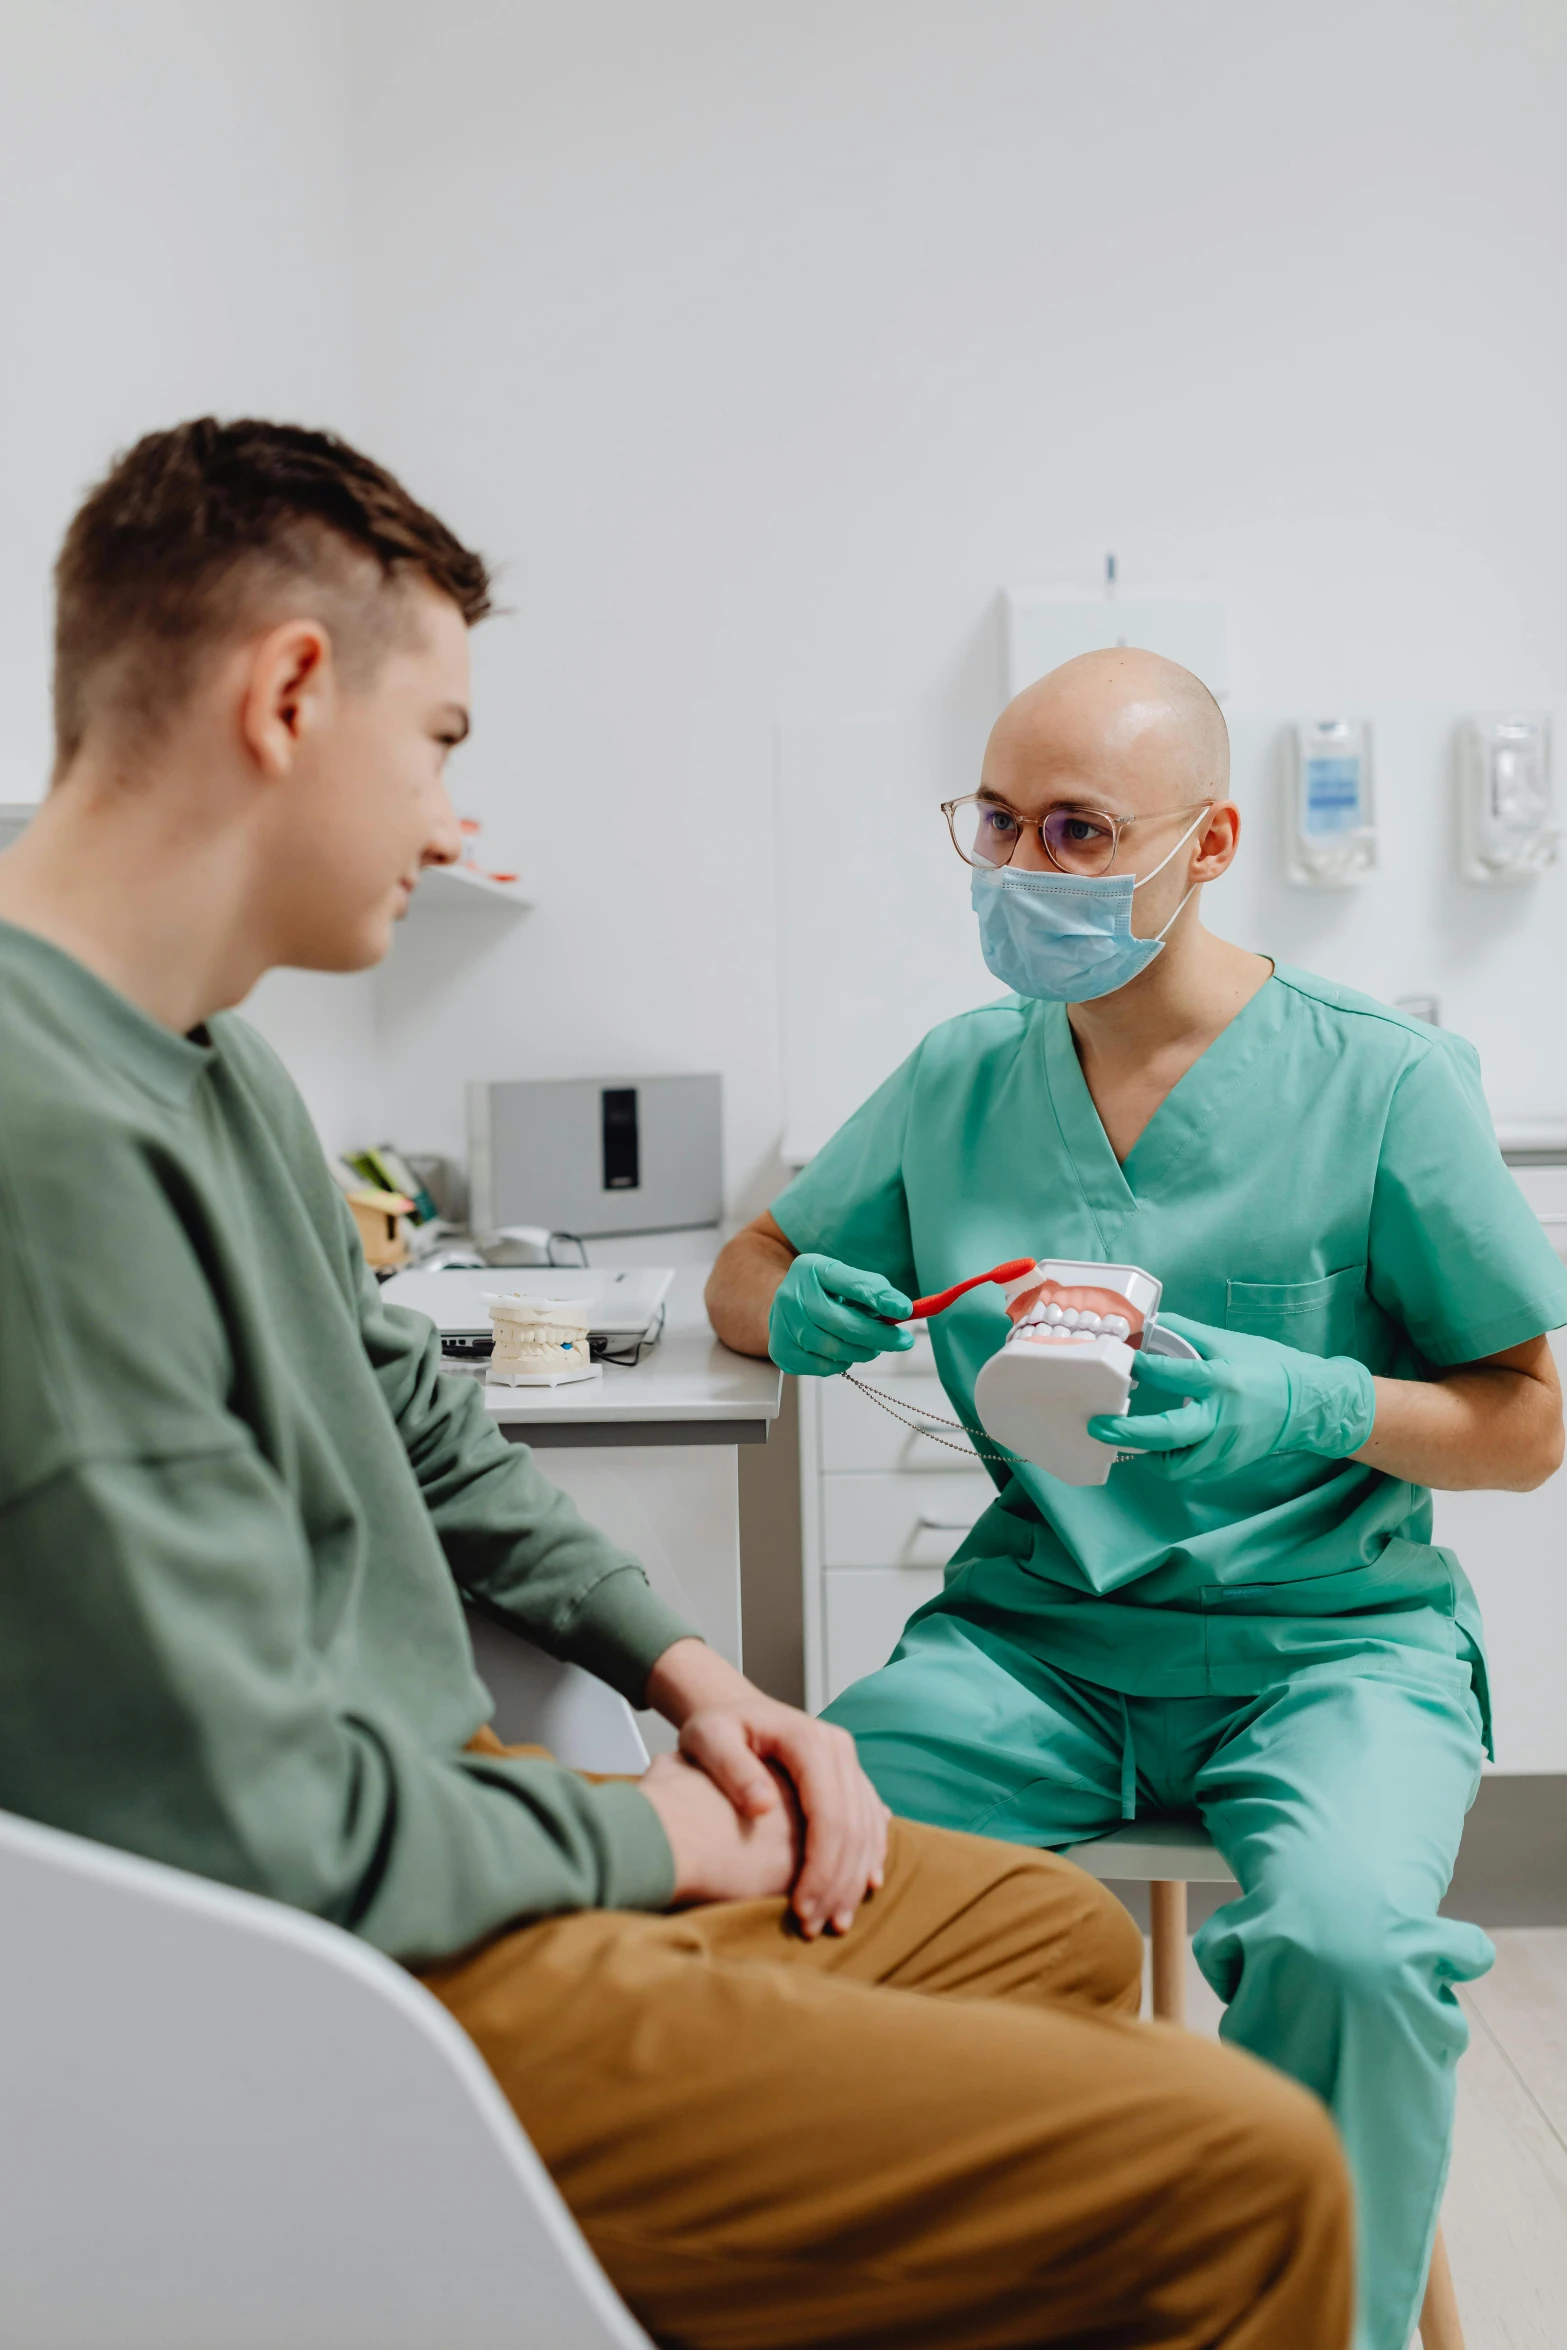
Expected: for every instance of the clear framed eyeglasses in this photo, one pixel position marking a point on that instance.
(985, 831)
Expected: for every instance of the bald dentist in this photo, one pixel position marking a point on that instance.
(1251, 1620)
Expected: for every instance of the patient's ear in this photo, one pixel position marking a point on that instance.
(289, 692)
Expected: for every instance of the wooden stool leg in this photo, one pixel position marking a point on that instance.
(1167, 1918)
(1441, 2327)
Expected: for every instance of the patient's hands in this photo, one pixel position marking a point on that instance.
(749, 1745)
(720, 1856)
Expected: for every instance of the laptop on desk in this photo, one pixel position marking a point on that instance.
(622, 1302)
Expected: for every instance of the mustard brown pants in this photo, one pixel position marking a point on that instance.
(943, 2131)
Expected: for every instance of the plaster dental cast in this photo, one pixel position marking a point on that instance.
(539, 1342)
(1250, 1618)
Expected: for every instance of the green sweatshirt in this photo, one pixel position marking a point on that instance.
(237, 1499)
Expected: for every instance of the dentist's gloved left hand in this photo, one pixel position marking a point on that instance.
(1249, 1398)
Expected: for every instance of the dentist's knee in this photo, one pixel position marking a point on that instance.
(1349, 1948)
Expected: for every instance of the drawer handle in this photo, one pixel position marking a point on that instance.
(929, 1523)
(936, 1427)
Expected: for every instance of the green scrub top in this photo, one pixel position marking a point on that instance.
(1326, 1174)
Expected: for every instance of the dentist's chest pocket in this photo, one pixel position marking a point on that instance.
(1323, 1317)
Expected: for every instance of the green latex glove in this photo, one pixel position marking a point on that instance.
(1250, 1397)
(827, 1316)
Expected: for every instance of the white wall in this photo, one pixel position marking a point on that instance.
(172, 187)
(764, 346)
(171, 180)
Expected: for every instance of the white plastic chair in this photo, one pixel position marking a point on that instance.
(580, 1719)
(1167, 1855)
(227, 2126)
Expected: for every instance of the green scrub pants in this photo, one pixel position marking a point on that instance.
(1336, 1796)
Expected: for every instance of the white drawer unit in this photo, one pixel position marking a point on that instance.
(883, 1508)
(897, 1517)
(857, 1434)
(863, 1611)
(1513, 1548)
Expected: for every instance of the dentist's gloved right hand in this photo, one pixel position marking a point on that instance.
(826, 1317)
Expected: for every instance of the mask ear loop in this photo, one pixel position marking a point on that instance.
(1159, 868)
(1160, 935)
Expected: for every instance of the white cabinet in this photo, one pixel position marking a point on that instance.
(897, 1517)
(883, 1507)
(676, 1507)
(863, 1611)
(1513, 1547)
(856, 1434)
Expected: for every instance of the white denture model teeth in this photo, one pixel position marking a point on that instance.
(539, 1342)
(1071, 1353)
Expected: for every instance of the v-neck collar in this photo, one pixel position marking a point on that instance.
(1101, 1179)
(1111, 1191)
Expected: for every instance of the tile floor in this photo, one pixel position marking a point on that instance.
(1506, 2207)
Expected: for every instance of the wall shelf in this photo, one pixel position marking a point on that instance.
(457, 889)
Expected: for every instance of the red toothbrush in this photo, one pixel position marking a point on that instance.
(1013, 1270)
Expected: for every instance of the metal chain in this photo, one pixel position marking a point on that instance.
(922, 1427)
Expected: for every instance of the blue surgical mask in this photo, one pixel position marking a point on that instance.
(1063, 938)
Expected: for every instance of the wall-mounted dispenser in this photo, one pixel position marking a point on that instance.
(1506, 805)
(1331, 834)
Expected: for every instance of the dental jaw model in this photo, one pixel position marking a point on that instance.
(1072, 1350)
(539, 1342)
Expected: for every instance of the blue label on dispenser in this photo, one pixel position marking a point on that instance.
(1332, 794)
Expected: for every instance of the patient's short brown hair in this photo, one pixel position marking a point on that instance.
(199, 531)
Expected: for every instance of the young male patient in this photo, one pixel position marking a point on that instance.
(804, 2079)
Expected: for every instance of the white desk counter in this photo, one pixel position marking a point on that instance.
(688, 1390)
(650, 1456)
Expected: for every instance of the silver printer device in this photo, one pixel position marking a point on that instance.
(593, 1156)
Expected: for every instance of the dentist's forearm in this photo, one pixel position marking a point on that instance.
(1491, 1426)
(743, 1283)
